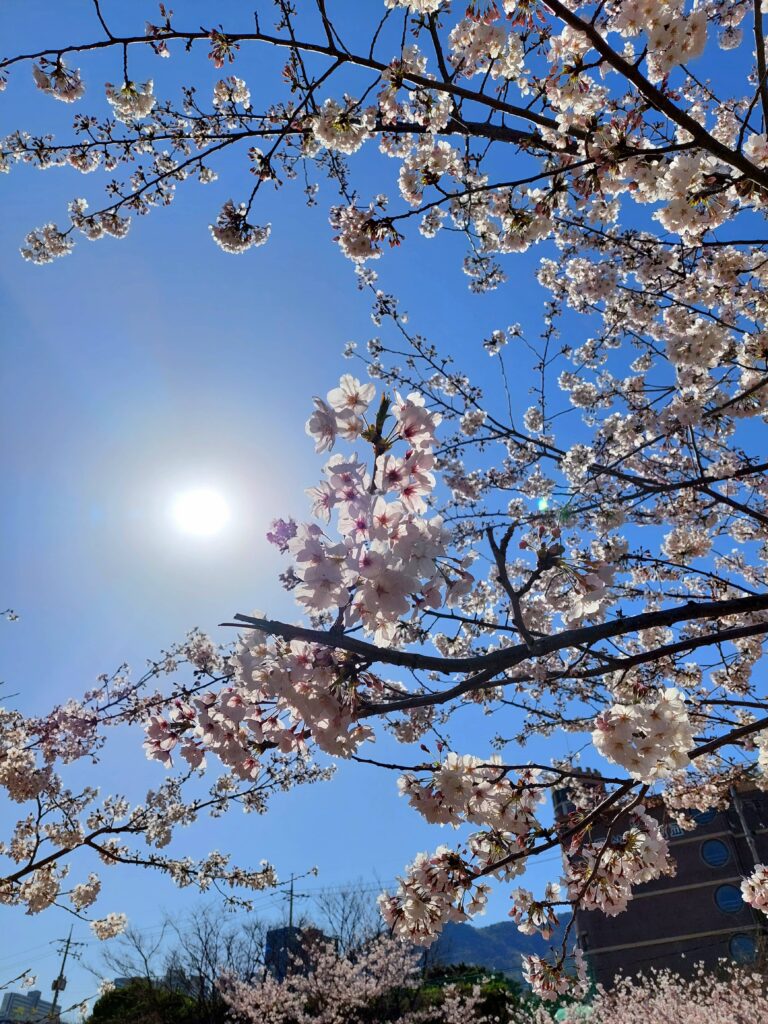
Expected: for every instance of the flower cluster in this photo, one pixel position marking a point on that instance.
(532, 916)
(589, 595)
(59, 81)
(110, 926)
(282, 695)
(480, 47)
(97, 225)
(389, 563)
(437, 888)
(421, 106)
(360, 231)
(391, 558)
(131, 102)
(45, 244)
(549, 981)
(231, 90)
(600, 875)
(86, 893)
(233, 233)
(58, 824)
(672, 37)
(417, 6)
(343, 128)
(754, 889)
(467, 789)
(650, 740)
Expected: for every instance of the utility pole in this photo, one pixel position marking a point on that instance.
(292, 895)
(749, 836)
(59, 983)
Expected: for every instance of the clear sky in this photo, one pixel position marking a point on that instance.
(132, 370)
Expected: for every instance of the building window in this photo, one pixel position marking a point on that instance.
(704, 817)
(715, 853)
(728, 898)
(564, 807)
(743, 948)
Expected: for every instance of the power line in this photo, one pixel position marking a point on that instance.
(12, 958)
(23, 952)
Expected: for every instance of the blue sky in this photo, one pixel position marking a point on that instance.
(132, 370)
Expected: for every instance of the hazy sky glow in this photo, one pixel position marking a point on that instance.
(136, 372)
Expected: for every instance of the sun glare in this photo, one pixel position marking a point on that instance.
(200, 512)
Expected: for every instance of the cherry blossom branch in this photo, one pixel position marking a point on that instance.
(658, 99)
(509, 657)
(304, 46)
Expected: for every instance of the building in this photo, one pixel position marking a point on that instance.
(174, 980)
(695, 916)
(289, 949)
(27, 1007)
(118, 983)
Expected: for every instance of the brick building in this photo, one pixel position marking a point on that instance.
(696, 916)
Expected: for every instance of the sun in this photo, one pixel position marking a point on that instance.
(201, 512)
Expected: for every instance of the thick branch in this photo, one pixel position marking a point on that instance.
(486, 679)
(510, 656)
(762, 71)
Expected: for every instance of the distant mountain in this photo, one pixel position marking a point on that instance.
(498, 946)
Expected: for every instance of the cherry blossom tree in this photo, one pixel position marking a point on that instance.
(382, 984)
(327, 986)
(735, 997)
(377, 982)
(586, 558)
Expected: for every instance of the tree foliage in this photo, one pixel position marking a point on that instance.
(141, 1002)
